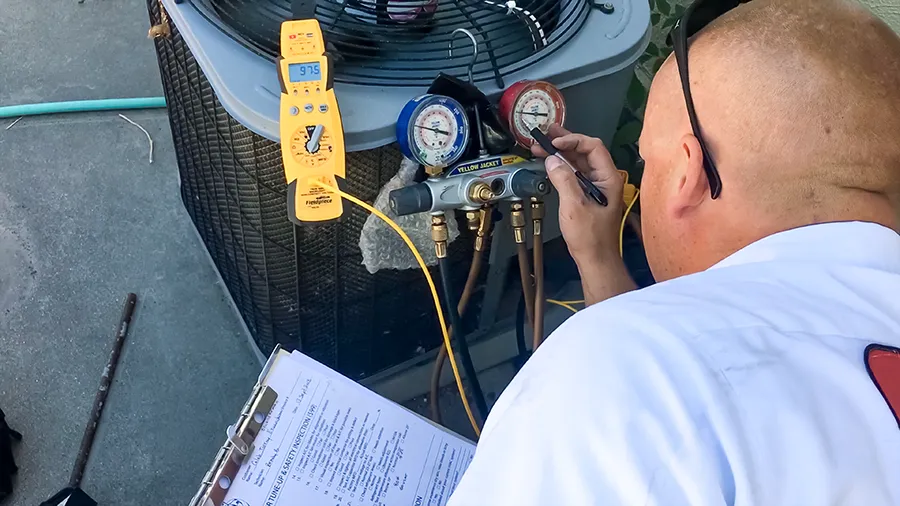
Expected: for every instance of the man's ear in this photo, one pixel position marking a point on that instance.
(692, 184)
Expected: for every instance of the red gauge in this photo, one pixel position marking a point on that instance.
(529, 104)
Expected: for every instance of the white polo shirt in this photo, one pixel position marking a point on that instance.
(741, 385)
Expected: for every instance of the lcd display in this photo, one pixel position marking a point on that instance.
(302, 72)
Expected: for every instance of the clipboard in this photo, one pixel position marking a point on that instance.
(239, 440)
(305, 430)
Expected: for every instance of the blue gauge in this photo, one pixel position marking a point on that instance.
(433, 130)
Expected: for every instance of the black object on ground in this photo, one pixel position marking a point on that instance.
(7, 463)
(72, 495)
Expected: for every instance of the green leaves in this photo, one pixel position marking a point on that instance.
(625, 158)
(670, 22)
(636, 95)
(663, 15)
(664, 7)
(657, 64)
(628, 133)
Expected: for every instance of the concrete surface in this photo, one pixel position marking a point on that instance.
(53, 50)
(83, 220)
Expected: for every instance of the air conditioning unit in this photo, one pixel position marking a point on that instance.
(305, 287)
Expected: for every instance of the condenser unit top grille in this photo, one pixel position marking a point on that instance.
(406, 42)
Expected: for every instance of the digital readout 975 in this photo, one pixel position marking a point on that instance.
(302, 72)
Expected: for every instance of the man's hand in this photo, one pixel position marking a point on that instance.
(591, 231)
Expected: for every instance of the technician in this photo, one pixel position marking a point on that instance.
(741, 377)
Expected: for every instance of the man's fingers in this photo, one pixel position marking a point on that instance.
(590, 156)
(578, 143)
(538, 151)
(553, 132)
(570, 191)
(600, 164)
(557, 131)
(563, 180)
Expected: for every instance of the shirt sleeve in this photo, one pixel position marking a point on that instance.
(612, 410)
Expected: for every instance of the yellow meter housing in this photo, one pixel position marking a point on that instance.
(312, 136)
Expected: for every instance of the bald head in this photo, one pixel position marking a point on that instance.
(799, 104)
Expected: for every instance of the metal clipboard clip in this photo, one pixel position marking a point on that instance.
(239, 442)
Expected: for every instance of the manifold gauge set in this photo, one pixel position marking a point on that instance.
(435, 131)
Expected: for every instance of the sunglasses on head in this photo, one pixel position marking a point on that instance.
(695, 18)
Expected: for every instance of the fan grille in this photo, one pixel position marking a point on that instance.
(374, 42)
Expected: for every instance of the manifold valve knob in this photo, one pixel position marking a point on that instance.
(410, 200)
(528, 183)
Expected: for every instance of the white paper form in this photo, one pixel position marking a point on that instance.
(331, 442)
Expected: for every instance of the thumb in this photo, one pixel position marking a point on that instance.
(563, 179)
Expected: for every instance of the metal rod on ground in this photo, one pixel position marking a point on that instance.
(87, 441)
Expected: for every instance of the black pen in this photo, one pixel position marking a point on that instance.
(589, 189)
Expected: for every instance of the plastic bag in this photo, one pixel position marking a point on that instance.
(382, 247)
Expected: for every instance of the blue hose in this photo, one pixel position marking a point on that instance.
(110, 104)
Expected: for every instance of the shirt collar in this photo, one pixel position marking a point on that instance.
(852, 242)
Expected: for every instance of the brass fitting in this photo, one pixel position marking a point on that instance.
(480, 192)
(484, 228)
(537, 215)
(517, 220)
(440, 235)
(472, 220)
(433, 171)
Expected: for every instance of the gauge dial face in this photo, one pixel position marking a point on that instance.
(438, 132)
(536, 104)
(535, 108)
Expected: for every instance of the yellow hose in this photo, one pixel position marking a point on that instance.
(431, 285)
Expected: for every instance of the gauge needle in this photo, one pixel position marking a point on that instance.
(544, 114)
(442, 132)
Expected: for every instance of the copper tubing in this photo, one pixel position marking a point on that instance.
(517, 221)
(483, 232)
(525, 275)
(537, 329)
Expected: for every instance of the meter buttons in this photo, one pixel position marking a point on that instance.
(323, 107)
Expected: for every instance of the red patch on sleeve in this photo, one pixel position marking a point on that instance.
(883, 364)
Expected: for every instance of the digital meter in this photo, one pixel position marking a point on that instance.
(312, 136)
